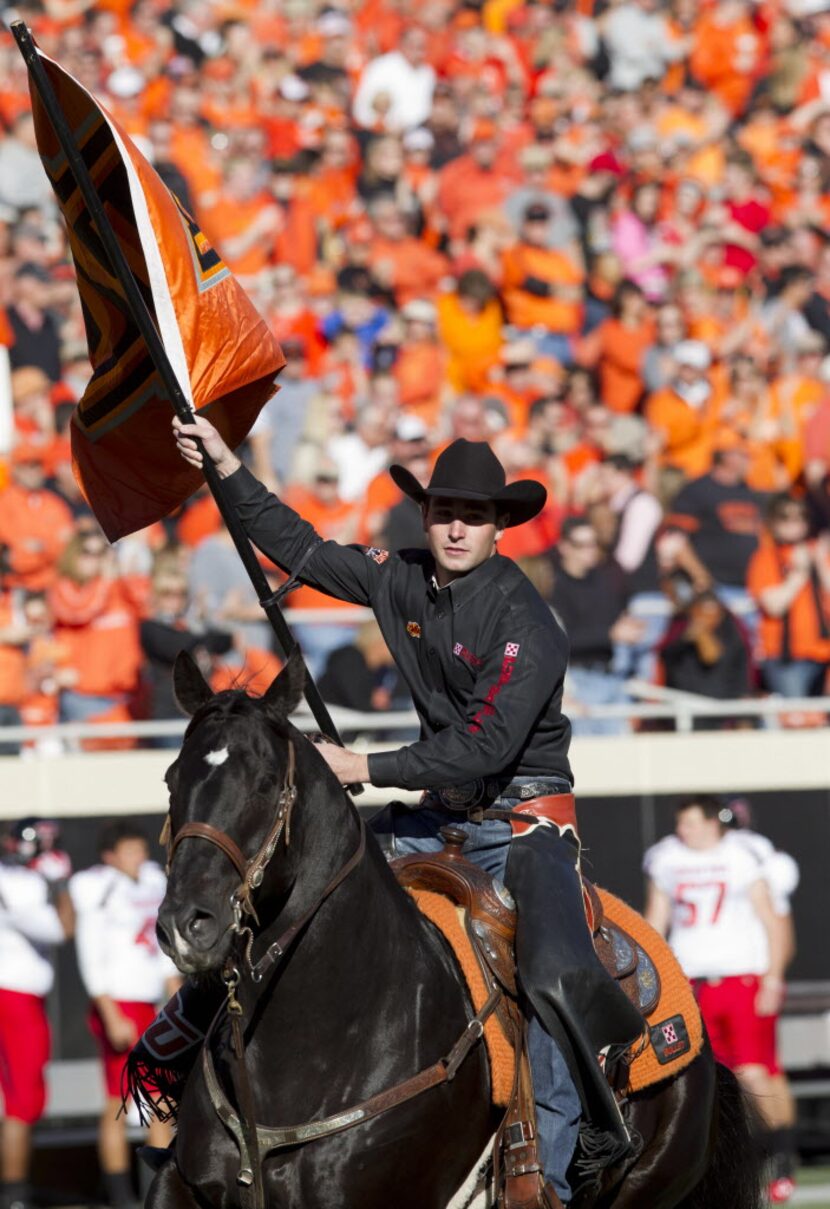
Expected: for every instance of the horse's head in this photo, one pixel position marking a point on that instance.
(231, 791)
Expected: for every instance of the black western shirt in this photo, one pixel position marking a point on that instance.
(484, 658)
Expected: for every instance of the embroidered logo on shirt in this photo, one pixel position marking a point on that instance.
(468, 656)
(376, 555)
(413, 629)
(488, 708)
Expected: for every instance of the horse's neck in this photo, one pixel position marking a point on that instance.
(354, 926)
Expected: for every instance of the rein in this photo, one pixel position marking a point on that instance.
(256, 1141)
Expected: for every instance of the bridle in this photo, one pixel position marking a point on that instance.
(251, 872)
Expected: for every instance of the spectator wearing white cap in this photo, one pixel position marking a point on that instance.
(409, 446)
(680, 413)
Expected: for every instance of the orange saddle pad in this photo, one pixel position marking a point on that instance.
(448, 919)
(675, 1028)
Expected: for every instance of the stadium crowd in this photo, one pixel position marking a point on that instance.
(593, 234)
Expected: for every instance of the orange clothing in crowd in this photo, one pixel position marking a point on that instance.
(473, 341)
(420, 370)
(410, 268)
(727, 58)
(465, 191)
(768, 567)
(98, 622)
(297, 241)
(619, 351)
(13, 661)
(687, 432)
(35, 526)
(379, 497)
(332, 196)
(334, 522)
(258, 669)
(524, 309)
(228, 219)
(538, 535)
(202, 519)
(191, 152)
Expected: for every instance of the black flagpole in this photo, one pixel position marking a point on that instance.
(147, 328)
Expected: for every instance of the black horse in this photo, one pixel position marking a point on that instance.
(364, 996)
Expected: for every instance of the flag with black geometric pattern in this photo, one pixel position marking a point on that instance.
(222, 352)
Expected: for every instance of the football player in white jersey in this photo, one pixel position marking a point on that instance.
(125, 975)
(781, 874)
(707, 892)
(34, 916)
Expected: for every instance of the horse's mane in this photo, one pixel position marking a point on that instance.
(237, 702)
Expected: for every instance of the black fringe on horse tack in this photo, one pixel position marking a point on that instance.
(156, 1090)
(734, 1178)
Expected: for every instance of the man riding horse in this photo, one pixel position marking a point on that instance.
(485, 661)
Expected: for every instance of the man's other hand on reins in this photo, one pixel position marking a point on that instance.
(350, 767)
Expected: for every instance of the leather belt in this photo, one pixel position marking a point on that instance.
(477, 795)
(535, 789)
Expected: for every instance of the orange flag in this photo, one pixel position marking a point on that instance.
(221, 350)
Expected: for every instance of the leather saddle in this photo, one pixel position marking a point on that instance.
(490, 923)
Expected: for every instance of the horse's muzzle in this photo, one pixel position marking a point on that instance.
(190, 937)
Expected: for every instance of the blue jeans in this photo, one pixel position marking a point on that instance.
(80, 707)
(639, 658)
(318, 642)
(801, 678)
(9, 716)
(593, 686)
(739, 602)
(558, 1109)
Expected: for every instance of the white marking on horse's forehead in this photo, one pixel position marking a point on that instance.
(217, 757)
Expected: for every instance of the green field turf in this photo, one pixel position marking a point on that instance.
(813, 1188)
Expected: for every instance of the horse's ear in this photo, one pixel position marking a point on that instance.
(190, 688)
(286, 689)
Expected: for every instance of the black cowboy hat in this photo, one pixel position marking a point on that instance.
(469, 470)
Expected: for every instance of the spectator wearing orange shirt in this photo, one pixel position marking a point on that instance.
(543, 288)
(14, 634)
(421, 364)
(683, 414)
(335, 520)
(789, 578)
(35, 524)
(408, 447)
(474, 182)
(96, 617)
(400, 261)
(469, 325)
(618, 347)
(728, 50)
(244, 221)
(521, 382)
